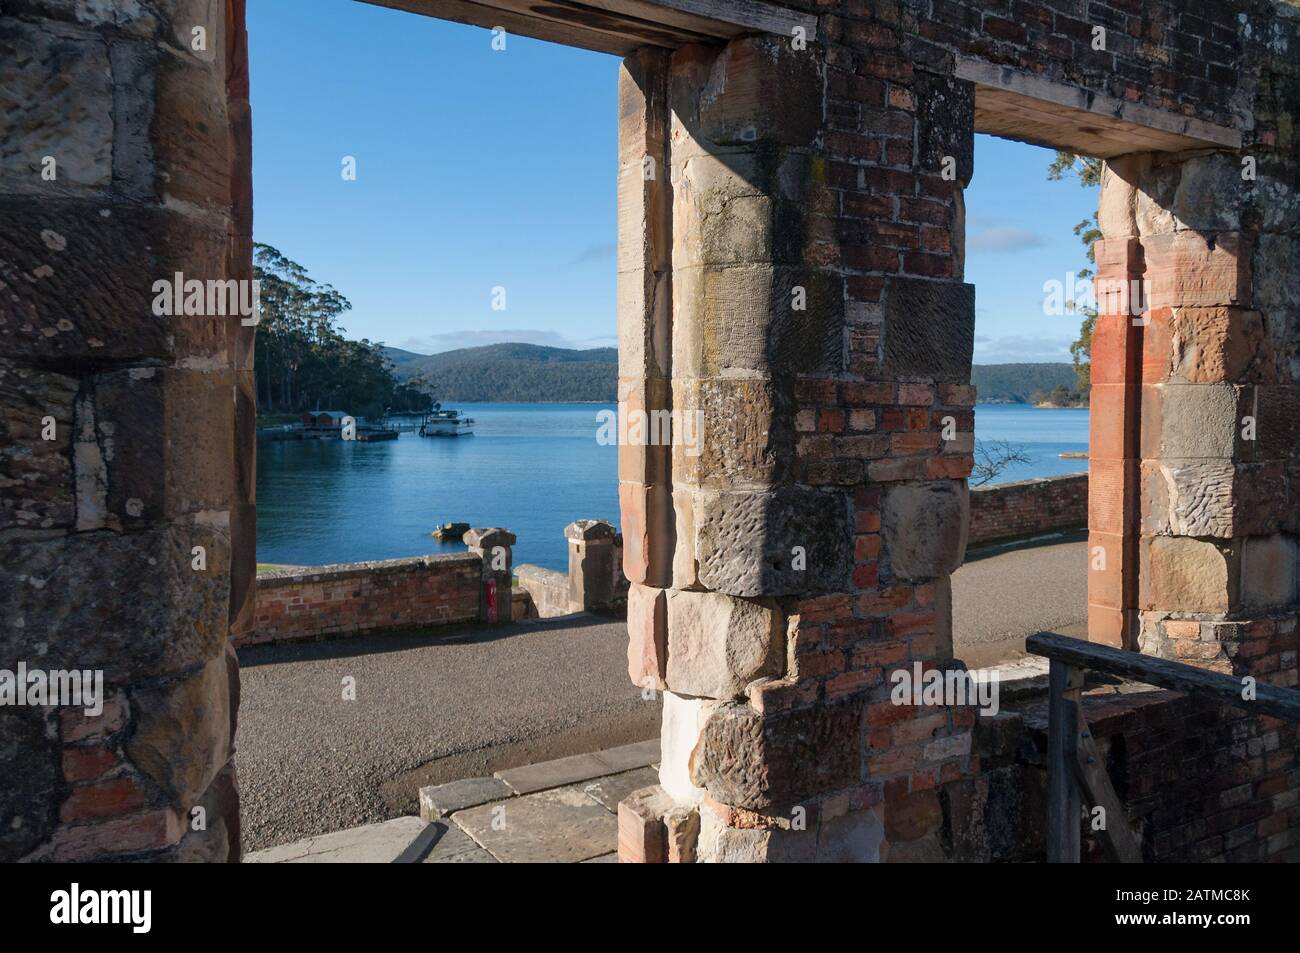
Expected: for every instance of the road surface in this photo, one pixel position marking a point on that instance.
(470, 701)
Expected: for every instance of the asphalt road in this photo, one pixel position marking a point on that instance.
(1002, 595)
(471, 701)
(427, 710)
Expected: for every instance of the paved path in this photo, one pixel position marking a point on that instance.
(470, 701)
(1002, 595)
(428, 709)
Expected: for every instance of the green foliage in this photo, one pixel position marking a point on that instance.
(1061, 396)
(1018, 383)
(1089, 231)
(302, 360)
(514, 373)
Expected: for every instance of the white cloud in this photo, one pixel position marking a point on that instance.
(1016, 349)
(1004, 239)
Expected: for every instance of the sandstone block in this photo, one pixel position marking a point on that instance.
(923, 528)
(1192, 421)
(36, 474)
(945, 115)
(1189, 575)
(759, 761)
(678, 737)
(1268, 572)
(647, 629)
(751, 543)
(718, 644)
(929, 329)
(734, 431)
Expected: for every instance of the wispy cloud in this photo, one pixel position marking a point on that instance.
(477, 337)
(1004, 239)
(601, 252)
(1021, 350)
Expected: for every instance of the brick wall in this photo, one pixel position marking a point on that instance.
(350, 598)
(1029, 506)
(1200, 782)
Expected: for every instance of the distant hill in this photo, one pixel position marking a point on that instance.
(530, 373)
(1013, 383)
(514, 373)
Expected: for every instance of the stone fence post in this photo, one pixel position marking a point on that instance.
(591, 564)
(492, 545)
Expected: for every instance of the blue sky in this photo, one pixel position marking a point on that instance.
(478, 168)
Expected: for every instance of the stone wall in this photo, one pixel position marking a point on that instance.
(1026, 507)
(1200, 782)
(126, 438)
(352, 598)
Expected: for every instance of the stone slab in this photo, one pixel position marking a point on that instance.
(379, 843)
(609, 791)
(639, 754)
(530, 778)
(563, 825)
(441, 800)
(456, 847)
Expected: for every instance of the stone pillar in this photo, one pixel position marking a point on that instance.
(820, 357)
(1220, 400)
(493, 546)
(591, 564)
(1113, 463)
(126, 543)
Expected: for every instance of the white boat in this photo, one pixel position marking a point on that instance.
(445, 423)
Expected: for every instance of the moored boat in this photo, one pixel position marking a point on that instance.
(445, 423)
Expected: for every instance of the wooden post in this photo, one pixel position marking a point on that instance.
(1063, 818)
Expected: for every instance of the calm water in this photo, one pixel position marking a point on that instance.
(533, 468)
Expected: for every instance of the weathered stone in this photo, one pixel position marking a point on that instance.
(750, 543)
(642, 837)
(679, 734)
(36, 474)
(720, 844)
(1206, 346)
(1117, 205)
(647, 631)
(929, 329)
(84, 282)
(646, 515)
(1190, 575)
(683, 830)
(152, 614)
(562, 825)
(1268, 572)
(56, 97)
(1189, 498)
(737, 431)
(1210, 193)
(440, 800)
(945, 117)
(1186, 269)
(1191, 421)
(30, 760)
(184, 731)
(923, 529)
(764, 319)
(718, 644)
(758, 761)
(591, 564)
(853, 838)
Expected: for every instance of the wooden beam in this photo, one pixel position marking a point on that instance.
(1090, 771)
(1080, 120)
(1064, 842)
(1283, 703)
(618, 26)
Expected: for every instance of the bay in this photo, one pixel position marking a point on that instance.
(532, 468)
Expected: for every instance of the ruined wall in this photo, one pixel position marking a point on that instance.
(126, 439)
(1026, 507)
(1200, 783)
(351, 598)
(809, 308)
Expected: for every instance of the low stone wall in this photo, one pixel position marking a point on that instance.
(1027, 507)
(350, 598)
